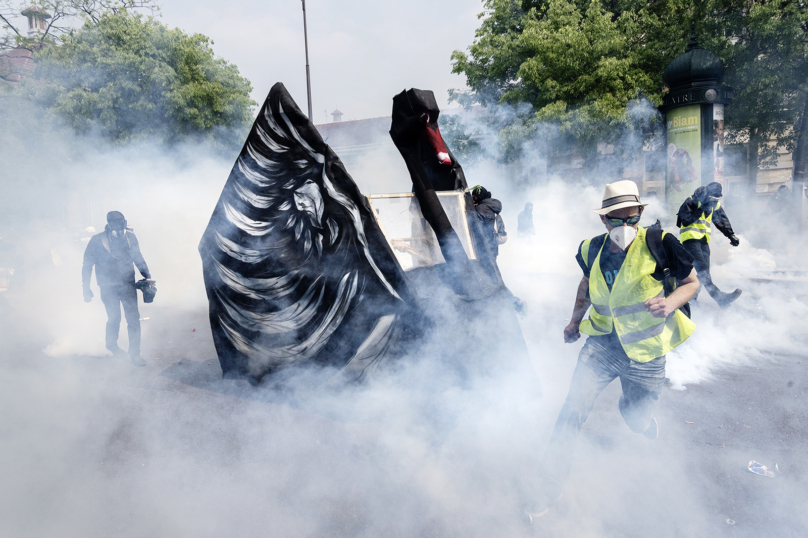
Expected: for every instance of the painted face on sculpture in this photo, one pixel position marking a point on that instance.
(309, 200)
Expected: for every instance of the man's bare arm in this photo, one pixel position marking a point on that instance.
(582, 303)
(663, 307)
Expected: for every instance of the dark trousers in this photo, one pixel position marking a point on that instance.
(700, 250)
(113, 297)
(601, 360)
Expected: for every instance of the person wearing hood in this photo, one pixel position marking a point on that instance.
(114, 253)
(524, 222)
(694, 219)
(488, 210)
(634, 322)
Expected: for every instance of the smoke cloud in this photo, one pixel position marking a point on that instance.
(95, 447)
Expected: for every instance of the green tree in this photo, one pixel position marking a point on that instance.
(764, 46)
(130, 77)
(61, 16)
(579, 64)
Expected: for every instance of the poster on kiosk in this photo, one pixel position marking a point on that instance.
(684, 154)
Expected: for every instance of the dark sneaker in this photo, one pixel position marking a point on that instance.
(653, 430)
(729, 298)
(137, 360)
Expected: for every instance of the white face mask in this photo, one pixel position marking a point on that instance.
(623, 236)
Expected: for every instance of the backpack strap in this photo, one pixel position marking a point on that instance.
(653, 238)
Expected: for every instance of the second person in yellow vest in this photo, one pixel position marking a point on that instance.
(695, 219)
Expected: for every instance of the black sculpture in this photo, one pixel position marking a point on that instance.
(298, 272)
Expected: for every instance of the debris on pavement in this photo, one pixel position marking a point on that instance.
(688, 422)
(730, 522)
(759, 468)
(193, 330)
(145, 319)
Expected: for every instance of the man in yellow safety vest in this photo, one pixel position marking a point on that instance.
(634, 322)
(695, 219)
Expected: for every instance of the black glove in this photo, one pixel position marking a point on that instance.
(88, 295)
(734, 241)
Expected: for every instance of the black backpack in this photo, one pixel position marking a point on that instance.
(653, 238)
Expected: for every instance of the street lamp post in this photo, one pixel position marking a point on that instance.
(308, 74)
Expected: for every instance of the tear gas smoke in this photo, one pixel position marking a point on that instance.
(92, 446)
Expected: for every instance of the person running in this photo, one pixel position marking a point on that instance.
(632, 326)
(694, 219)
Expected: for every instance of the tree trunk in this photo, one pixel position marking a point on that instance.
(800, 157)
(752, 162)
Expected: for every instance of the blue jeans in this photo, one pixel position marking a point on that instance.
(601, 360)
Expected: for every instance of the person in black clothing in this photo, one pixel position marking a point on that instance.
(781, 204)
(693, 220)
(113, 253)
(488, 210)
(524, 222)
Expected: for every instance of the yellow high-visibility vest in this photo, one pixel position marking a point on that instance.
(700, 228)
(643, 336)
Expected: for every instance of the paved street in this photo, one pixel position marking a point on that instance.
(93, 446)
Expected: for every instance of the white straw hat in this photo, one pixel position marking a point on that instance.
(619, 195)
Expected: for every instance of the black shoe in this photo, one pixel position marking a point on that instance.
(729, 298)
(137, 360)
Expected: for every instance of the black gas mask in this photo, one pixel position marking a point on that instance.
(117, 227)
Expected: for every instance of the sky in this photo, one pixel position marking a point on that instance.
(361, 52)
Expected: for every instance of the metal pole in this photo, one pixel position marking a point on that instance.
(308, 74)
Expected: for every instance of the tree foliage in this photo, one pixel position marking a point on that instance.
(578, 63)
(63, 15)
(582, 63)
(764, 46)
(127, 76)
